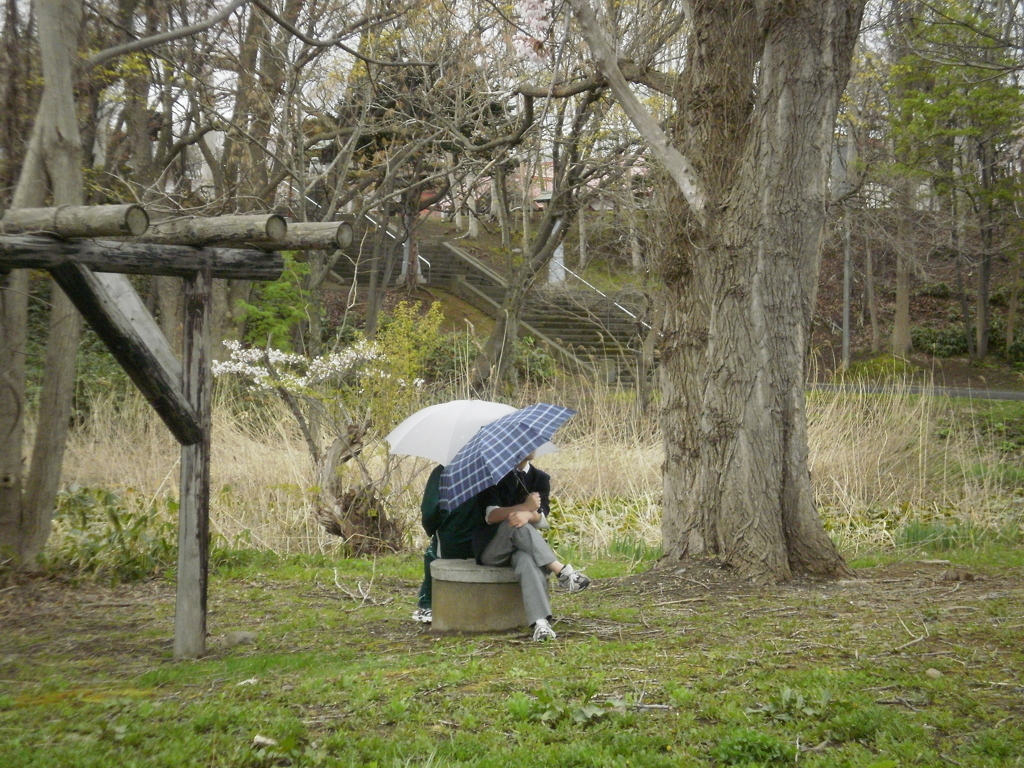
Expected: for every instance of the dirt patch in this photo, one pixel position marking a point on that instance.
(129, 627)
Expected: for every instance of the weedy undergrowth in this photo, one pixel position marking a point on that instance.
(548, 707)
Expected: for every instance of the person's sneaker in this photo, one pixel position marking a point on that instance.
(572, 580)
(542, 631)
(423, 615)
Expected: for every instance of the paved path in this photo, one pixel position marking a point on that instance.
(881, 389)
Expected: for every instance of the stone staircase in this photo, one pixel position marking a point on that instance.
(583, 328)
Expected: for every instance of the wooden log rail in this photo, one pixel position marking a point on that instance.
(43, 252)
(260, 231)
(317, 235)
(252, 231)
(76, 221)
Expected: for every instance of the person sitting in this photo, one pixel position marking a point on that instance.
(451, 536)
(514, 512)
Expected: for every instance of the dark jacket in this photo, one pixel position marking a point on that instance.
(512, 489)
(455, 528)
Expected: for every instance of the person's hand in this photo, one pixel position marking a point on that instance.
(532, 502)
(519, 518)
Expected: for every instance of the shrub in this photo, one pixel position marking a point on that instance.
(948, 342)
(936, 291)
(534, 364)
(278, 307)
(881, 369)
(450, 359)
(858, 723)
(407, 340)
(100, 532)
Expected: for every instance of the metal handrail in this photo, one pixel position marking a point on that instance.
(420, 260)
(387, 231)
(606, 296)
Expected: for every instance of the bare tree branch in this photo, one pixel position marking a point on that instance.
(163, 37)
(335, 42)
(672, 159)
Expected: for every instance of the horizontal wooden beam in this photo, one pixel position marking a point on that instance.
(317, 235)
(42, 252)
(76, 221)
(259, 231)
(111, 306)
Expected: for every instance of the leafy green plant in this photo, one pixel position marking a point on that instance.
(99, 531)
(744, 746)
(407, 341)
(551, 708)
(859, 722)
(534, 364)
(277, 307)
(881, 369)
(936, 290)
(945, 342)
(790, 704)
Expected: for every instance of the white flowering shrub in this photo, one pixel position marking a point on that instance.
(266, 370)
(376, 382)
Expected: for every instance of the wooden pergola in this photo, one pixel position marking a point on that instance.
(89, 250)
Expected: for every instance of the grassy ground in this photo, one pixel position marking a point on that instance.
(916, 662)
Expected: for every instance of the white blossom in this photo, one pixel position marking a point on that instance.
(536, 22)
(294, 373)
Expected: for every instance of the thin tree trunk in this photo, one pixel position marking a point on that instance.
(869, 283)
(55, 404)
(901, 342)
(961, 286)
(847, 287)
(503, 213)
(1014, 301)
(13, 323)
(584, 242)
(494, 361)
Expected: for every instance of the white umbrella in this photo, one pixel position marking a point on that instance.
(438, 431)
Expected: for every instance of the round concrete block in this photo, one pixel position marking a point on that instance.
(475, 598)
(468, 571)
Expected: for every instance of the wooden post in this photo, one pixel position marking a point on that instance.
(194, 507)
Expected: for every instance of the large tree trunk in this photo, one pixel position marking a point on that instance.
(742, 289)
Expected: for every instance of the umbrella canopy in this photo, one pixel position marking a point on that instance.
(497, 448)
(439, 431)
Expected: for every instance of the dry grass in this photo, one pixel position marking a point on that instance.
(880, 463)
(876, 462)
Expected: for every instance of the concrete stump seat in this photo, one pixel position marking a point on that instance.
(475, 598)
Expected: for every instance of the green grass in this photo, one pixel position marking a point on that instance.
(896, 669)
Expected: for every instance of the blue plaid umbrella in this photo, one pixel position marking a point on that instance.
(497, 448)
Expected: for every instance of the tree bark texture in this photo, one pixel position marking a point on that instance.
(52, 167)
(742, 290)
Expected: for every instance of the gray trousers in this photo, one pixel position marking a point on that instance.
(525, 549)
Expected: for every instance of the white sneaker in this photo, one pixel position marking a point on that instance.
(572, 580)
(423, 615)
(542, 631)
